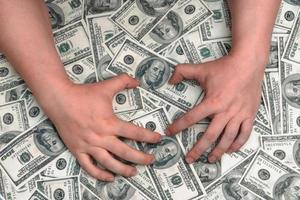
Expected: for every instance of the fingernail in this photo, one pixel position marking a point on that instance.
(110, 178)
(158, 136)
(167, 132)
(134, 172)
(189, 160)
(212, 159)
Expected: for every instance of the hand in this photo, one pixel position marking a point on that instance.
(86, 123)
(232, 95)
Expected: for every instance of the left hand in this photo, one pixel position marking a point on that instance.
(232, 88)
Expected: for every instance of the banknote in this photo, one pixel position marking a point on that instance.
(13, 118)
(34, 111)
(30, 152)
(175, 53)
(262, 115)
(206, 171)
(120, 188)
(138, 17)
(273, 64)
(60, 188)
(63, 166)
(153, 71)
(86, 194)
(285, 147)
(37, 195)
(72, 42)
(270, 179)
(289, 78)
(9, 191)
(92, 7)
(101, 29)
(12, 94)
(218, 27)
(291, 52)
(227, 187)
(228, 161)
(171, 175)
(64, 12)
(9, 78)
(113, 44)
(198, 52)
(182, 18)
(82, 71)
(127, 100)
(287, 14)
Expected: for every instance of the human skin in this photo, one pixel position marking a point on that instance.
(82, 114)
(233, 83)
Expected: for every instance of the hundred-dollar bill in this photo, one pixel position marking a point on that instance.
(72, 42)
(86, 194)
(113, 44)
(273, 64)
(13, 117)
(218, 27)
(262, 115)
(61, 188)
(92, 7)
(289, 79)
(182, 18)
(171, 175)
(35, 112)
(291, 52)
(287, 14)
(270, 179)
(10, 192)
(127, 100)
(273, 89)
(64, 12)
(227, 187)
(12, 94)
(37, 195)
(207, 172)
(138, 17)
(63, 166)
(9, 78)
(285, 147)
(30, 152)
(197, 52)
(153, 72)
(101, 29)
(228, 161)
(175, 53)
(120, 188)
(82, 71)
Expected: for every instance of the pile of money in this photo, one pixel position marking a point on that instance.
(99, 39)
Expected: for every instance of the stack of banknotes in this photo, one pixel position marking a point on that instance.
(99, 39)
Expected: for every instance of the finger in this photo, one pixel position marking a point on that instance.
(108, 162)
(137, 133)
(185, 71)
(198, 113)
(86, 163)
(209, 137)
(121, 82)
(243, 136)
(124, 151)
(230, 133)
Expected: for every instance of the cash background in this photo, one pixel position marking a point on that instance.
(87, 39)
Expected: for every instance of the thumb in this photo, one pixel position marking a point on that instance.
(186, 71)
(121, 82)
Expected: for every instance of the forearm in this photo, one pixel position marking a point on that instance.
(252, 25)
(26, 39)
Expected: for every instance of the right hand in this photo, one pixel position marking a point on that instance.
(86, 123)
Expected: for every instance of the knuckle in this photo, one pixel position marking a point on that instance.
(209, 137)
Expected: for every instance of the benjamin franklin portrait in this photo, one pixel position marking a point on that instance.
(293, 2)
(168, 30)
(296, 152)
(207, 172)
(100, 6)
(47, 140)
(155, 7)
(291, 90)
(56, 14)
(287, 187)
(87, 195)
(232, 190)
(152, 73)
(167, 152)
(117, 190)
(101, 68)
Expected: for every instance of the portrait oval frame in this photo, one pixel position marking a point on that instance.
(287, 80)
